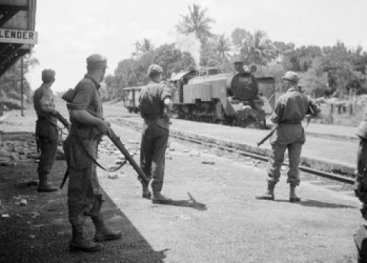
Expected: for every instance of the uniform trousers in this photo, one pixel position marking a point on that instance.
(152, 153)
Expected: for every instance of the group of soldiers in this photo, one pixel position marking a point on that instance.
(81, 146)
(88, 126)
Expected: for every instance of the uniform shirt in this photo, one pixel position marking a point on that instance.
(43, 101)
(151, 100)
(290, 109)
(86, 97)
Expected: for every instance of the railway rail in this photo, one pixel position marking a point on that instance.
(241, 152)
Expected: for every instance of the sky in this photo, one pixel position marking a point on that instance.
(71, 30)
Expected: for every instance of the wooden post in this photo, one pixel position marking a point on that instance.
(21, 86)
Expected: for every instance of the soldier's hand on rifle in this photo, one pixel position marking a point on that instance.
(103, 126)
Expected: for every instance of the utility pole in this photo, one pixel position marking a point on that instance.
(21, 86)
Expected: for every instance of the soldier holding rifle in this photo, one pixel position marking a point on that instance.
(290, 109)
(46, 128)
(81, 146)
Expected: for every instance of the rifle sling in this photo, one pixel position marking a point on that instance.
(92, 159)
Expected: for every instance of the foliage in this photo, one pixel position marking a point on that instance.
(254, 48)
(10, 83)
(324, 70)
(197, 22)
(132, 71)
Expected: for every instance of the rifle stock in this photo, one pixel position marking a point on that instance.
(117, 142)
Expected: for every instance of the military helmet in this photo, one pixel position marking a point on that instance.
(291, 76)
(48, 75)
(96, 61)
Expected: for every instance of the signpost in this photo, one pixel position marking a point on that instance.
(18, 36)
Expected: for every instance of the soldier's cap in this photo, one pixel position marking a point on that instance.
(154, 69)
(96, 61)
(48, 75)
(291, 76)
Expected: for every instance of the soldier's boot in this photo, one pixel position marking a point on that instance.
(158, 198)
(146, 193)
(293, 198)
(104, 233)
(79, 241)
(43, 185)
(269, 194)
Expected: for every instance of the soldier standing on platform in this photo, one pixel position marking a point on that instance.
(81, 146)
(154, 101)
(46, 128)
(290, 109)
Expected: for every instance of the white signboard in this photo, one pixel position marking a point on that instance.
(18, 36)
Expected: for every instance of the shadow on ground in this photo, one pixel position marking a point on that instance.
(316, 203)
(40, 232)
(190, 203)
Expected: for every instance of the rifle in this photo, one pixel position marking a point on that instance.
(117, 142)
(62, 119)
(267, 136)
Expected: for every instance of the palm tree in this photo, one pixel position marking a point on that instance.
(258, 49)
(198, 23)
(142, 47)
(222, 46)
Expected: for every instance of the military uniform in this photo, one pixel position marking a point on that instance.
(290, 109)
(46, 129)
(81, 146)
(84, 193)
(155, 133)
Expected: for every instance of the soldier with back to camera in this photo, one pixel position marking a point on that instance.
(154, 103)
(290, 109)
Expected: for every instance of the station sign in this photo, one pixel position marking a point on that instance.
(18, 36)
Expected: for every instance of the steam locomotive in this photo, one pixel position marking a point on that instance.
(210, 96)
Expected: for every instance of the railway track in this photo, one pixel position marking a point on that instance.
(319, 173)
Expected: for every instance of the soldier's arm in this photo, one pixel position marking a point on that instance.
(313, 109)
(79, 109)
(277, 114)
(166, 97)
(84, 117)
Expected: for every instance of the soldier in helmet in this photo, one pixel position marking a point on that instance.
(290, 109)
(46, 128)
(154, 101)
(81, 146)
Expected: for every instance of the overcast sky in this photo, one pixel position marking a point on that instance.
(70, 30)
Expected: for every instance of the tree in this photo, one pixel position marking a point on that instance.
(255, 48)
(143, 47)
(197, 22)
(133, 71)
(10, 83)
(172, 59)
